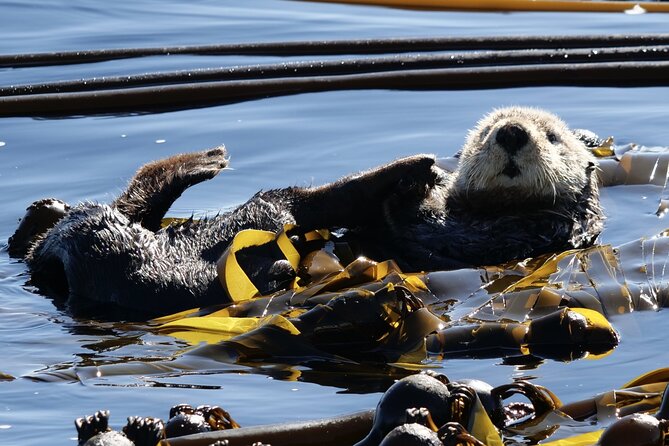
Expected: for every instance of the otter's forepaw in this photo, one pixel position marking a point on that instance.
(88, 427)
(144, 431)
(418, 166)
(419, 177)
(412, 173)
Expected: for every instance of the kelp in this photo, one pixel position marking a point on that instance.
(457, 413)
(564, 334)
(373, 311)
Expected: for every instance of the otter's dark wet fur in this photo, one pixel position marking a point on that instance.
(409, 210)
(104, 258)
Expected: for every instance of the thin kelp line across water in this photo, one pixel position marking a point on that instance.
(203, 94)
(333, 47)
(350, 66)
(608, 61)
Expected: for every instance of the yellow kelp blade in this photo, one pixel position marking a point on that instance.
(212, 329)
(481, 427)
(587, 439)
(655, 376)
(231, 274)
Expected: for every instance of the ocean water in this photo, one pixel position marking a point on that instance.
(295, 140)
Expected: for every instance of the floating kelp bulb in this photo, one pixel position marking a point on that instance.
(186, 424)
(638, 429)
(111, 438)
(419, 390)
(413, 434)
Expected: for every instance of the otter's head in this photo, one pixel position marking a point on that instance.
(522, 155)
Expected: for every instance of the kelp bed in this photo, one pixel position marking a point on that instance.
(350, 322)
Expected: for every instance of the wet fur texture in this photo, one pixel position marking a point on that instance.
(117, 256)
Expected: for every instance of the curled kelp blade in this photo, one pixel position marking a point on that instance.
(641, 395)
(476, 419)
(264, 250)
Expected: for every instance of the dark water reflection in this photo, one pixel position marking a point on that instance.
(299, 140)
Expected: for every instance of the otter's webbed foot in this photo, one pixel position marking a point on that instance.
(40, 216)
(92, 425)
(157, 185)
(144, 431)
(359, 199)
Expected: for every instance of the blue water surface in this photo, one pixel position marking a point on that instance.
(297, 140)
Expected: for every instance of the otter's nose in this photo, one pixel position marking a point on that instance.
(511, 137)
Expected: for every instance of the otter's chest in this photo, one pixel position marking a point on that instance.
(478, 240)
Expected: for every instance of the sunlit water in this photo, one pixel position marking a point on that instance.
(297, 140)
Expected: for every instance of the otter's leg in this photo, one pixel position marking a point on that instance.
(157, 185)
(359, 199)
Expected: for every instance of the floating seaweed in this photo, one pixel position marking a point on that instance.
(424, 409)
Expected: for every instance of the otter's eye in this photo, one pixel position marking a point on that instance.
(552, 138)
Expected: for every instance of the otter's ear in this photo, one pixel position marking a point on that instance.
(590, 139)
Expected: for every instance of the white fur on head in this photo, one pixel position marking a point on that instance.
(553, 163)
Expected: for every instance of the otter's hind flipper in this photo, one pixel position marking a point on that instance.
(40, 217)
(157, 185)
(359, 199)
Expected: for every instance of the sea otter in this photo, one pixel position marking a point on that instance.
(525, 185)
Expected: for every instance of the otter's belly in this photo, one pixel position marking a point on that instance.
(456, 242)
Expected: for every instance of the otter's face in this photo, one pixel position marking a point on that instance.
(523, 153)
